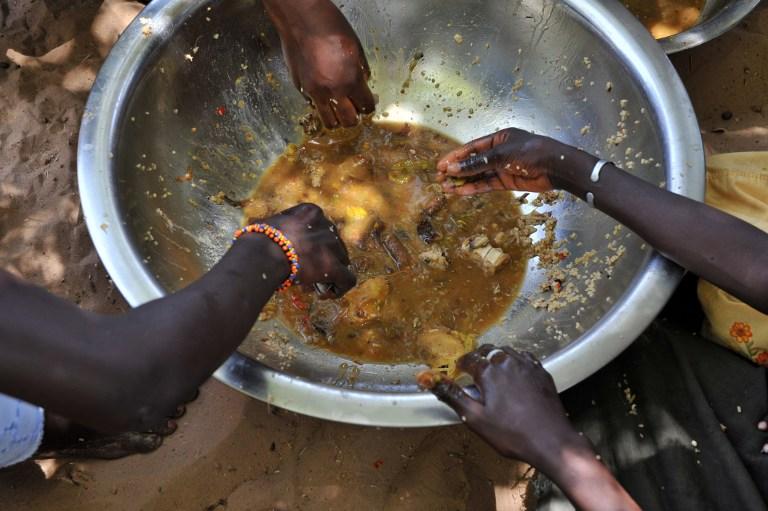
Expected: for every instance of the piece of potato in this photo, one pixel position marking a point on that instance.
(352, 206)
(439, 348)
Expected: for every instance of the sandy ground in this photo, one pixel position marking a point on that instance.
(727, 80)
(232, 452)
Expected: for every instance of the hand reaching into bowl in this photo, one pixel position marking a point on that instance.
(520, 414)
(509, 159)
(323, 256)
(714, 245)
(325, 58)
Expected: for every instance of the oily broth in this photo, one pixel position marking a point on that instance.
(664, 18)
(376, 182)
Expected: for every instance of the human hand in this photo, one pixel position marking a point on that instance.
(519, 412)
(325, 58)
(510, 159)
(322, 255)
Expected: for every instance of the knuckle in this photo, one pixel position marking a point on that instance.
(441, 390)
(456, 394)
(508, 135)
(308, 208)
(504, 134)
(535, 144)
(465, 359)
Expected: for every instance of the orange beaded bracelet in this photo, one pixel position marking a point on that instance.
(284, 243)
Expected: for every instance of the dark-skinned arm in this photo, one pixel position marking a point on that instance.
(129, 372)
(325, 58)
(520, 414)
(718, 247)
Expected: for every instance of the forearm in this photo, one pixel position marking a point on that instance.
(585, 480)
(302, 14)
(718, 247)
(186, 336)
(120, 372)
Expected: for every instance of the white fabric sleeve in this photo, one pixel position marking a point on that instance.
(21, 430)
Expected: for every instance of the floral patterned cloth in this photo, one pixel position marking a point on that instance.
(737, 183)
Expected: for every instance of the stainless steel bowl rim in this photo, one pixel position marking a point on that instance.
(725, 19)
(653, 286)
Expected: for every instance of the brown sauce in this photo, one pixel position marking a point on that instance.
(424, 294)
(664, 18)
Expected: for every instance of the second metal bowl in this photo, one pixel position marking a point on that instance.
(717, 18)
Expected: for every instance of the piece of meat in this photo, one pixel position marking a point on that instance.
(480, 250)
(396, 250)
(361, 263)
(392, 245)
(365, 302)
(426, 231)
(323, 316)
(425, 228)
(434, 205)
(491, 258)
(475, 242)
(434, 258)
(311, 124)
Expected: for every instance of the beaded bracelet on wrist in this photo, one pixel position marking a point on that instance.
(284, 243)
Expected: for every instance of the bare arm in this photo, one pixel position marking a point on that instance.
(718, 247)
(129, 372)
(714, 245)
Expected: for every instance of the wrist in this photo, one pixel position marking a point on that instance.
(549, 453)
(278, 268)
(571, 172)
(299, 17)
(576, 470)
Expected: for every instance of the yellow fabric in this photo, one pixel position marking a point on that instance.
(737, 183)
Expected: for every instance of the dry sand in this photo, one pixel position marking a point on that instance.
(727, 80)
(230, 452)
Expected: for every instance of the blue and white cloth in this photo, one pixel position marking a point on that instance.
(21, 430)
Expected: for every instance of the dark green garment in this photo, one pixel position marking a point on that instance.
(691, 440)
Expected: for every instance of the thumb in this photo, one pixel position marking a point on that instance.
(342, 279)
(461, 402)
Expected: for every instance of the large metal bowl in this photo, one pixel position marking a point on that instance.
(542, 65)
(717, 17)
